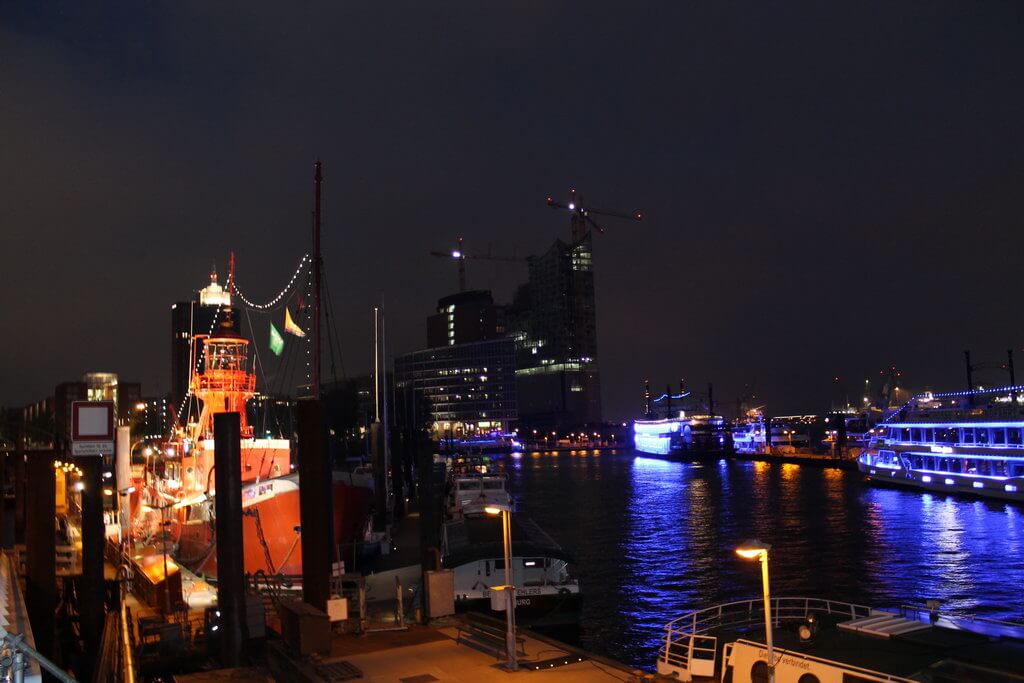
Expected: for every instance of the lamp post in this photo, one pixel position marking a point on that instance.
(751, 550)
(510, 590)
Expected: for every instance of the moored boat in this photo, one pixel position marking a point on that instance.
(547, 590)
(179, 487)
(827, 641)
(695, 436)
(969, 442)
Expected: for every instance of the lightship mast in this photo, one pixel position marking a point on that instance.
(317, 263)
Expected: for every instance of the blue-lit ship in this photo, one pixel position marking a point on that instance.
(961, 442)
(484, 444)
(683, 436)
(749, 434)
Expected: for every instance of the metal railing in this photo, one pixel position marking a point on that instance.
(686, 637)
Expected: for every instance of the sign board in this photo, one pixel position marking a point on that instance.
(92, 428)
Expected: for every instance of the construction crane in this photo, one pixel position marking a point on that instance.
(581, 215)
(459, 254)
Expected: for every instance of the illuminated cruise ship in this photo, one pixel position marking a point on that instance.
(689, 436)
(960, 442)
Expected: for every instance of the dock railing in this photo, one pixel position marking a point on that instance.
(690, 643)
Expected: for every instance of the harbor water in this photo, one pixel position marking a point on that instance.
(654, 539)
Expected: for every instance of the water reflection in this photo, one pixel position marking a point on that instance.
(654, 539)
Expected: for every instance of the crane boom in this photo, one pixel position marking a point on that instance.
(581, 215)
(459, 254)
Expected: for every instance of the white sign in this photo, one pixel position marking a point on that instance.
(92, 428)
(93, 421)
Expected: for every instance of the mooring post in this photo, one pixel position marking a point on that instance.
(40, 554)
(230, 552)
(20, 473)
(315, 505)
(91, 587)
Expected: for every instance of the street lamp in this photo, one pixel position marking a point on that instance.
(510, 590)
(756, 550)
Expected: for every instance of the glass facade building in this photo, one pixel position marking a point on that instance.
(471, 388)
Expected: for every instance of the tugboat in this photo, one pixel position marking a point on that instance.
(547, 592)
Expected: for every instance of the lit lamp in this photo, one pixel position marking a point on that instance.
(508, 588)
(756, 550)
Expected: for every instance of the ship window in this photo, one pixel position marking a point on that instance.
(998, 468)
(984, 467)
(918, 462)
(1013, 437)
(759, 672)
(808, 678)
(945, 435)
(968, 436)
(916, 434)
(998, 436)
(981, 435)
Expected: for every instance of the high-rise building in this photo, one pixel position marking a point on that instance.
(189, 318)
(150, 419)
(554, 322)
(471, 388)
(464, 318)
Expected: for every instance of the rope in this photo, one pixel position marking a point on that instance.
(255, 514)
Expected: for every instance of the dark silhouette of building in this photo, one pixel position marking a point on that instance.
(464, 318)
(189, 318)
(554, 322)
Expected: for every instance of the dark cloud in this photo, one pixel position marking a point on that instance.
(829, 189)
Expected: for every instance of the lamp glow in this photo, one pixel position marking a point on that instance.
(754, 549)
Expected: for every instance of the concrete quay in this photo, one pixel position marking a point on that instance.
(425, 654)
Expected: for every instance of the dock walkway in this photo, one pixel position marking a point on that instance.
(427, 653)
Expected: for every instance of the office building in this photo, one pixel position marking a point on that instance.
(470, 388)
(464, 318)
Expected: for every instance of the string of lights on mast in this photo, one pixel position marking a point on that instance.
(280, 295)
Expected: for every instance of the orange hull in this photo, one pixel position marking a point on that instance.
(277, 515)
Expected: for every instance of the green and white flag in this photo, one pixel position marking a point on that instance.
(276, 340)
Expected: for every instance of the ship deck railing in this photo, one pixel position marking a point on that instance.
(689, 642)
(985, 625)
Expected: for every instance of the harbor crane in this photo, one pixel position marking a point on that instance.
(459, 254)
(581, 215)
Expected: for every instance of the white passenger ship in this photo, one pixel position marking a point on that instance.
(959, 442)
(827, 641)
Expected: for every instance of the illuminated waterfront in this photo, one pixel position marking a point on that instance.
(654, 539)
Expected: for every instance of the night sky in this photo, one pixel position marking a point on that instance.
(829, 188)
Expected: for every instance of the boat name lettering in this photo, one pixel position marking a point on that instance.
(255, 494)
(787, 661)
